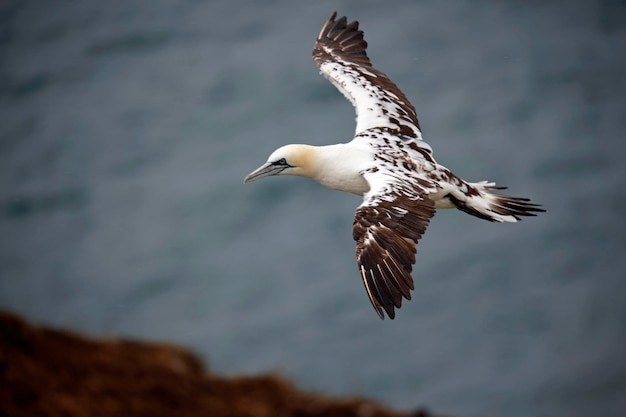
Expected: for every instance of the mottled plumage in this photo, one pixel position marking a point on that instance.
(389, 164)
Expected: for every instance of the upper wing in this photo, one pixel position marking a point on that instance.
(387, 227)
(339, 52)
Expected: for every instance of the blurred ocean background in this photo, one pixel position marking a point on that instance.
(126, 128)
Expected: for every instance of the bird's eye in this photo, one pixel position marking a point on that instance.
(281, 161)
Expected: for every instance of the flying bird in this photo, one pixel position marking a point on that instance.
(389, 164)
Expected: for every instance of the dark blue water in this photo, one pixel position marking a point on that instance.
(126, 128)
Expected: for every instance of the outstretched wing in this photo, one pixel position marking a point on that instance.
(339, 52)
(387, 226)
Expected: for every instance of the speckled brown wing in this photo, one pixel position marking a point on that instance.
(387, 227)
(340, 54)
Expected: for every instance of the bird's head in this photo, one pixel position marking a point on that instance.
(287, 160)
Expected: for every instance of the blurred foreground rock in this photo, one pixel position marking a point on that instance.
(46, 372)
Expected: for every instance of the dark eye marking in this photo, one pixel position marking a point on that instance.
(281, 161)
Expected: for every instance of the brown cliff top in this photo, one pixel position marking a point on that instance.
(47, 372)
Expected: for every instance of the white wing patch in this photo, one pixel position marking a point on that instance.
(375, 107)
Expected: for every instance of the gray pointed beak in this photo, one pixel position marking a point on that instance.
(265, 170)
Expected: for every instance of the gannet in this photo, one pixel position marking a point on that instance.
(387, 163)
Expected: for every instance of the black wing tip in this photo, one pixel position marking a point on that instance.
(341, 22)
(381, 310)
(328, 26)
(335, 27)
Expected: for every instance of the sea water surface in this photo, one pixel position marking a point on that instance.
(126, 128)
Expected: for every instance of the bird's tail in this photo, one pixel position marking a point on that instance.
(495, 207)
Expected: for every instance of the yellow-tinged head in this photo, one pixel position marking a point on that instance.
(287, 160)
